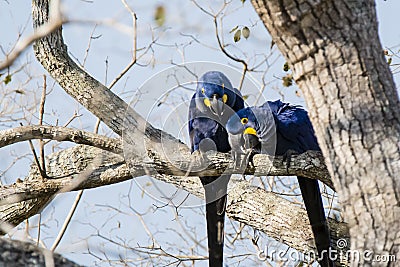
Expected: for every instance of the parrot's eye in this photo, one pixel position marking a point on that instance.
(223, 86)
(244, 121)
(203, 90)
(224, 98)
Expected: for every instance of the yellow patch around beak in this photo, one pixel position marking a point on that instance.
(250, 130)
(224, 98)
(207, 102)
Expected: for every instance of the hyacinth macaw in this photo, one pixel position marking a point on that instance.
(214, 101)
(278, 128)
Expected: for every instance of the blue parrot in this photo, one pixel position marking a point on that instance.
(278, 128)
(213, 103)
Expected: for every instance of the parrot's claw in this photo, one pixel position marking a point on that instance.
(248, 158)
(236, 156)
(251, 157)
(198, 158)
(287, 157)
(245, 161)
(241, 160)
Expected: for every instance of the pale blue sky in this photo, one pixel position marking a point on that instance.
(183, 21)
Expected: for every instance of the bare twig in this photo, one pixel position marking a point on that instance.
(243, 76)
(134, 44)
(39, 224)
(220, 42)
(43, 174)
(221, 46)
(89, 44)
(54, 23)
(67, 220)
(73, 117)
(35, 157)
(41, 113)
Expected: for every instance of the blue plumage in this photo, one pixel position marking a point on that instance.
(278, 128)
(204, 126)
(294, 125)
(204, 122)
(287, 126)
(213, 103)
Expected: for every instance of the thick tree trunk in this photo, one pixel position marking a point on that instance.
(254, 206)
(21, 254)
(337, 60)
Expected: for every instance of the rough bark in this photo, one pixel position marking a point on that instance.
(309, 164)
(67, 170)
(11, 252)
(57, 133)
(334, 51)
(52, 54)
(83, 167)
(66, 167)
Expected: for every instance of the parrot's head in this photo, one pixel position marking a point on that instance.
(214, 92)
(242, 129)
(243, 122)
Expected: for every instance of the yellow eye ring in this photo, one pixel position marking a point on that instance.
(244, 121)
(203, 90)
(224, 98)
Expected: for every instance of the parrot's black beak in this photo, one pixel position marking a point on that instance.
(243, 148)
(217, 106)
(250, 141)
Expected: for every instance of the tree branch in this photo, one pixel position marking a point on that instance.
(65, 166)
(58, 133)
(309, 164)
(52, 54)
(116, 114)
(40, 32)
(335, 53)
(248, 204)
(11, 252)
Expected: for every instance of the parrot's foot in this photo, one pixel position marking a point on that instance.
(249, 156)
(287, 157)
(199, 160)
(236, 156)
(241, 160)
